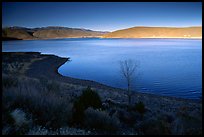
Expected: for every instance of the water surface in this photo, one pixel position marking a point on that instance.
(170, 67)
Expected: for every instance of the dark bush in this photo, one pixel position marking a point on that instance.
(155, 127)
(88, 98)
(140, 107)
(7, 118)
(53, 86)
(9, 81)
(78, 112)
(101, 121)
(128, 118)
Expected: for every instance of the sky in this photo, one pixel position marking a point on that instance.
(101, 16)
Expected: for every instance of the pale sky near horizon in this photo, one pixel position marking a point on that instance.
(101, 16)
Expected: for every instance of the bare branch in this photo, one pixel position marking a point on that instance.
(128, 68)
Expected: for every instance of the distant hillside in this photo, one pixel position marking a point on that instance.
(47, 33)
(66, 33)
(21, 33)
(16, 33)
(156, 32)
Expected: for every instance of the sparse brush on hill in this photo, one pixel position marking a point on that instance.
(47, 108)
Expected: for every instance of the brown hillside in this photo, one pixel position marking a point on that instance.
(64, 33)
(156, 32)
(47, 33)
(16, 34)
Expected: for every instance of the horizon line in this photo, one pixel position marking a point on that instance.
(100, 30)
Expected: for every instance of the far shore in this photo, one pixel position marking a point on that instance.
(154, 38)
(101, 37)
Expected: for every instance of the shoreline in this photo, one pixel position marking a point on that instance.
(47, 66)
(200, 38)
(100, 37)
(52, 72)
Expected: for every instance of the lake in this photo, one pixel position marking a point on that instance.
(171, 67)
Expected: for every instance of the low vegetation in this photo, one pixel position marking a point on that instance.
(33, 106)
(88, 98)
(140, 107)
(46, 108)
(101, 120)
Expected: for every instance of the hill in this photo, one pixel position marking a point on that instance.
(156, 32)
(47, 33)
(62, 32)
(16, 33)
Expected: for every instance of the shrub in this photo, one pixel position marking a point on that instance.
(9, 81)
(49, 85)
(128, 118)
(140, 107)
(155, 127)
(53, 86)
(20, 124)
(7, 119)
(186, 124)
(38, 130)
(48, 109)
(52, 112)
(19, 116)
(78, 112)
(101, 121)
(88, 98)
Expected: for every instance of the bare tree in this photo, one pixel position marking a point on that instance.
(128, 68)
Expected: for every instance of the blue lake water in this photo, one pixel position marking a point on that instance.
(171, 67)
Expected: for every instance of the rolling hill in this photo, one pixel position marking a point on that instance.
(21, 33)
(47, 33)
(16, 33)
(156, 32)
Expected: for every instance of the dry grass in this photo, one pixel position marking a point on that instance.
(47, 108)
